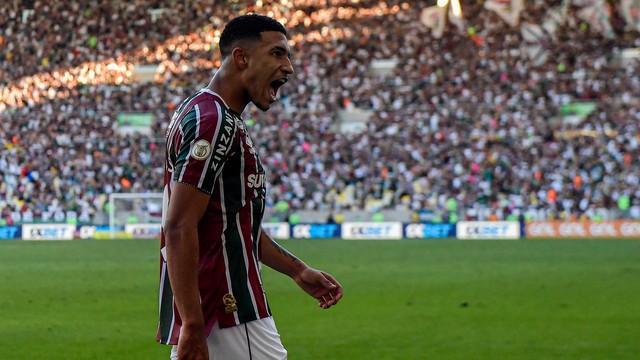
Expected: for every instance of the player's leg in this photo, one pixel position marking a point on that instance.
(255, 340)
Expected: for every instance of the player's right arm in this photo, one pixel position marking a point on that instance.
(204, 127)
(186, 208)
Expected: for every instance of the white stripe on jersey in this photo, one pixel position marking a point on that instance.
(173, 318)
(186, 161)
(257, 161)
(206, 164)
(162, 276)
(209, 91)
(224, 244)
(173, 300)
(259, 263)
(205, 170)
(255, 194)
(238, 225)
(246, 261)
(219, 171)
(171, 129)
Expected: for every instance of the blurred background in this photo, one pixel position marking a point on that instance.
(496, 119)
(410, 111)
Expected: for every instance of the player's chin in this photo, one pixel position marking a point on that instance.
(265, 104)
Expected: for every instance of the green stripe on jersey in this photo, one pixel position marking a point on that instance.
(257, 208)
(238, 271)
(239, 276)
(185, 102)
(166, 309)
(188, 127)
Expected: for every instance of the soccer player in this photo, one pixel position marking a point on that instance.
(212, 303)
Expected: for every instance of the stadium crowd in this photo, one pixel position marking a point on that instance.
(464, 126)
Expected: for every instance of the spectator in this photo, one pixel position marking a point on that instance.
(478, 123)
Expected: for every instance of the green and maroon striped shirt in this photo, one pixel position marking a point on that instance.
(209, 148)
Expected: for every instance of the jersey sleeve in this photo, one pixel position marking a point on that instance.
(206, 140)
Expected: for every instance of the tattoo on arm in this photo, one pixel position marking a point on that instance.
(283, 251)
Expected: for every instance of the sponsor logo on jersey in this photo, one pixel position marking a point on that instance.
(223, 142)
(255, 181)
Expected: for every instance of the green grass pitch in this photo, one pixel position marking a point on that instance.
(405, 300)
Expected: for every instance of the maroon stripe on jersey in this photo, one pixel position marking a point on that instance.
(248, 162)
(251, 169)
(176, 120)
(253, 266)
(212, 286)
(207, 122)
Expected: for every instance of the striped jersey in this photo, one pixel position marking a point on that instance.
(209, 148)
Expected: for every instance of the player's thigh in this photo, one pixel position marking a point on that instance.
(255, 340)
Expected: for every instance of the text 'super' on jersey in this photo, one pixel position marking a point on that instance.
(209, 148)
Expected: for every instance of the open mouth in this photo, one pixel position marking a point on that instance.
(275, 85)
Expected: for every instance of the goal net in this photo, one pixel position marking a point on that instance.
(137, 214)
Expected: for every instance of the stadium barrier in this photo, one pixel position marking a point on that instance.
(48, 232)
(612, 229)
(10, 232)
(484, 230)
(316, 231)
(463, 230)
(278, 230)
(143, 231)
(429, 231)
(372, 230)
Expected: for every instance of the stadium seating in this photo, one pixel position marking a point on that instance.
(468, 124)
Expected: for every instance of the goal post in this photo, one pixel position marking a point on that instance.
(134, 208)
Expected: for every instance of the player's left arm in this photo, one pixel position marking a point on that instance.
(322, 286)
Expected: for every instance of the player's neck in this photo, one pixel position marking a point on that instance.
(225, 84)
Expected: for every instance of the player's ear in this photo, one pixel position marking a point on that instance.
(239, 56)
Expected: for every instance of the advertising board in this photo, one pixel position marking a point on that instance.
(315, 231)
(143, 231)
(86, 232)
(372, 230)
(48, 232)
(278, 230)
(618, 229)
(10, 232)
(485, 230)
(429, 231)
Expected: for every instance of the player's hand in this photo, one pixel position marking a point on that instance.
(321, 286)
(192, 345)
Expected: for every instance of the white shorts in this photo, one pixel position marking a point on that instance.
(255, 340)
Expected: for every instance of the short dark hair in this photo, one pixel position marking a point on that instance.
(246, 27)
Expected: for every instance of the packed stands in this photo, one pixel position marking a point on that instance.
(465, 125)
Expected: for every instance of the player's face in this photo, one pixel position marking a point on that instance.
(269, 68)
